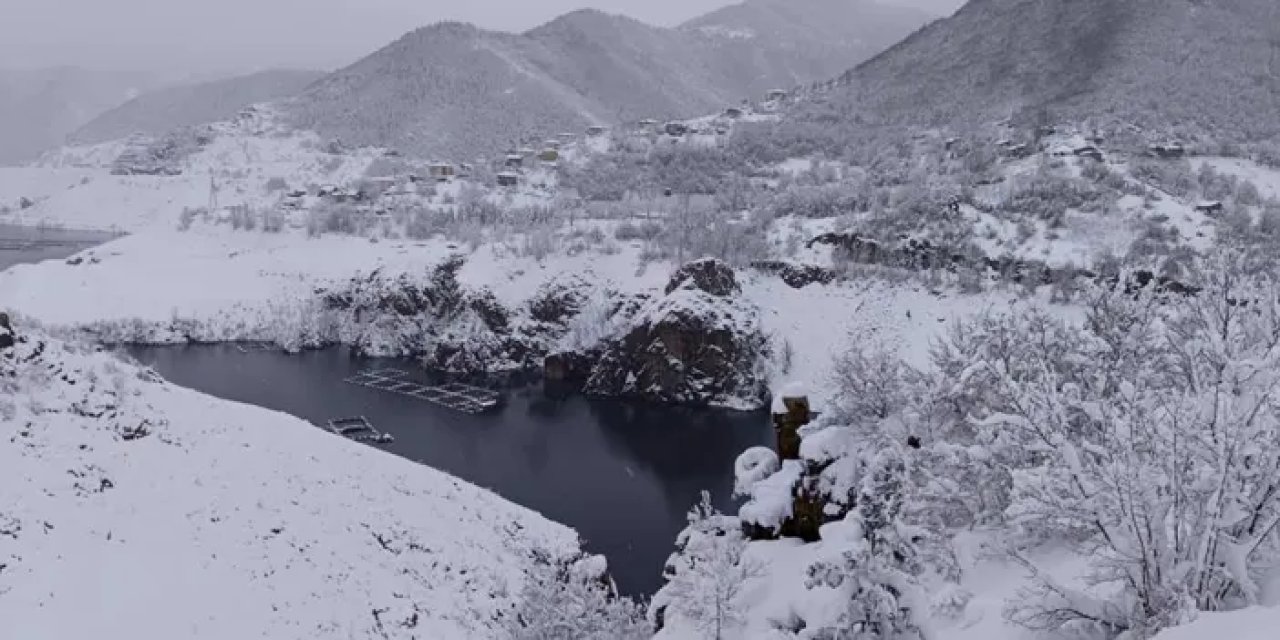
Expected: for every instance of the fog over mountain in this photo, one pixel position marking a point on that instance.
(39, 107)
(172, 107)
(233, 37)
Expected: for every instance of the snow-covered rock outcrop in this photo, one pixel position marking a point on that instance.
(132, 508)
(451, 328)
(701, 343)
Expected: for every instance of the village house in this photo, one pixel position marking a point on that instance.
(441, 171)
(508, 179)
(1167, 151)
(596, 130)
(1089, 151)
(514, 161)
(676, 129)
(733, 112)
(773, 95)
(1209, 207)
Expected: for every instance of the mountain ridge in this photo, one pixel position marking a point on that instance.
(457, 90)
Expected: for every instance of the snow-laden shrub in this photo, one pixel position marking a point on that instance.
(771, 498)
(877, 567)
(873, 384)
(755, 464)
(707, 575)
(572, 601)
(1136, 437)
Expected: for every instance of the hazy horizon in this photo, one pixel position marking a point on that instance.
(240, 36)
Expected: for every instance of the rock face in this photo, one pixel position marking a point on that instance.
(7, 338)
(450, 328)
(796, 276)
(698, 344)
(707, 275)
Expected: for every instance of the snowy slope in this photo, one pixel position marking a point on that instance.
(1257, 623)
(73, 187)
(159, 111)
(136, 509)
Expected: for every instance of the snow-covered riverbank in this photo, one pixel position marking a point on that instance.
(137, 509)
(216, 284)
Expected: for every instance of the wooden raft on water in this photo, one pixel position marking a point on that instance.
(454, 395)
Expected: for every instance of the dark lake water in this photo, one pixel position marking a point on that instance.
(24, 244)
(623, 475)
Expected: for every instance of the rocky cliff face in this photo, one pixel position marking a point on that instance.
(450, 328)
(7, 338)
(698, 344)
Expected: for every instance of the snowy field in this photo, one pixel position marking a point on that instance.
(137, 509)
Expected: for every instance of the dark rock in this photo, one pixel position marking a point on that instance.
(696, 345)
(916, 254)
(7, 337)
(557, 302)
(796, 276)
(709, 275)
(495, 317)
(569, 367)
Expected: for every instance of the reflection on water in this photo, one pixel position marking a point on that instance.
(622, 474)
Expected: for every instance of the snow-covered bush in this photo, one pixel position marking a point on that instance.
(1172, 176)
(564, 602)
(872, 384)
(878, 566)
(708, 574)
(1137, 438)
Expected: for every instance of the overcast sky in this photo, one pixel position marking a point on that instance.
(243, 35)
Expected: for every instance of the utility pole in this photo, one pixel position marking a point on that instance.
(213, 194)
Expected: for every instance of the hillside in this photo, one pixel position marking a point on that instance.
(159, 111)
(812, 40)
(143, 510)
(1208, 67)
(39, 107)
(456, 90)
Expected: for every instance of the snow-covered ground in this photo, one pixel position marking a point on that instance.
(1265, 178)
(132, 508)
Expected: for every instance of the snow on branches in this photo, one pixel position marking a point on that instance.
(1146, 438)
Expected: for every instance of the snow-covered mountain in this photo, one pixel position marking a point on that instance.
(457, 90)
(160, 111)
(39, 107)
(1205, 67)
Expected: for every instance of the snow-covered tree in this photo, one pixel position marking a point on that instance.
(879, 563)
(570, 602)
(709, 573)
